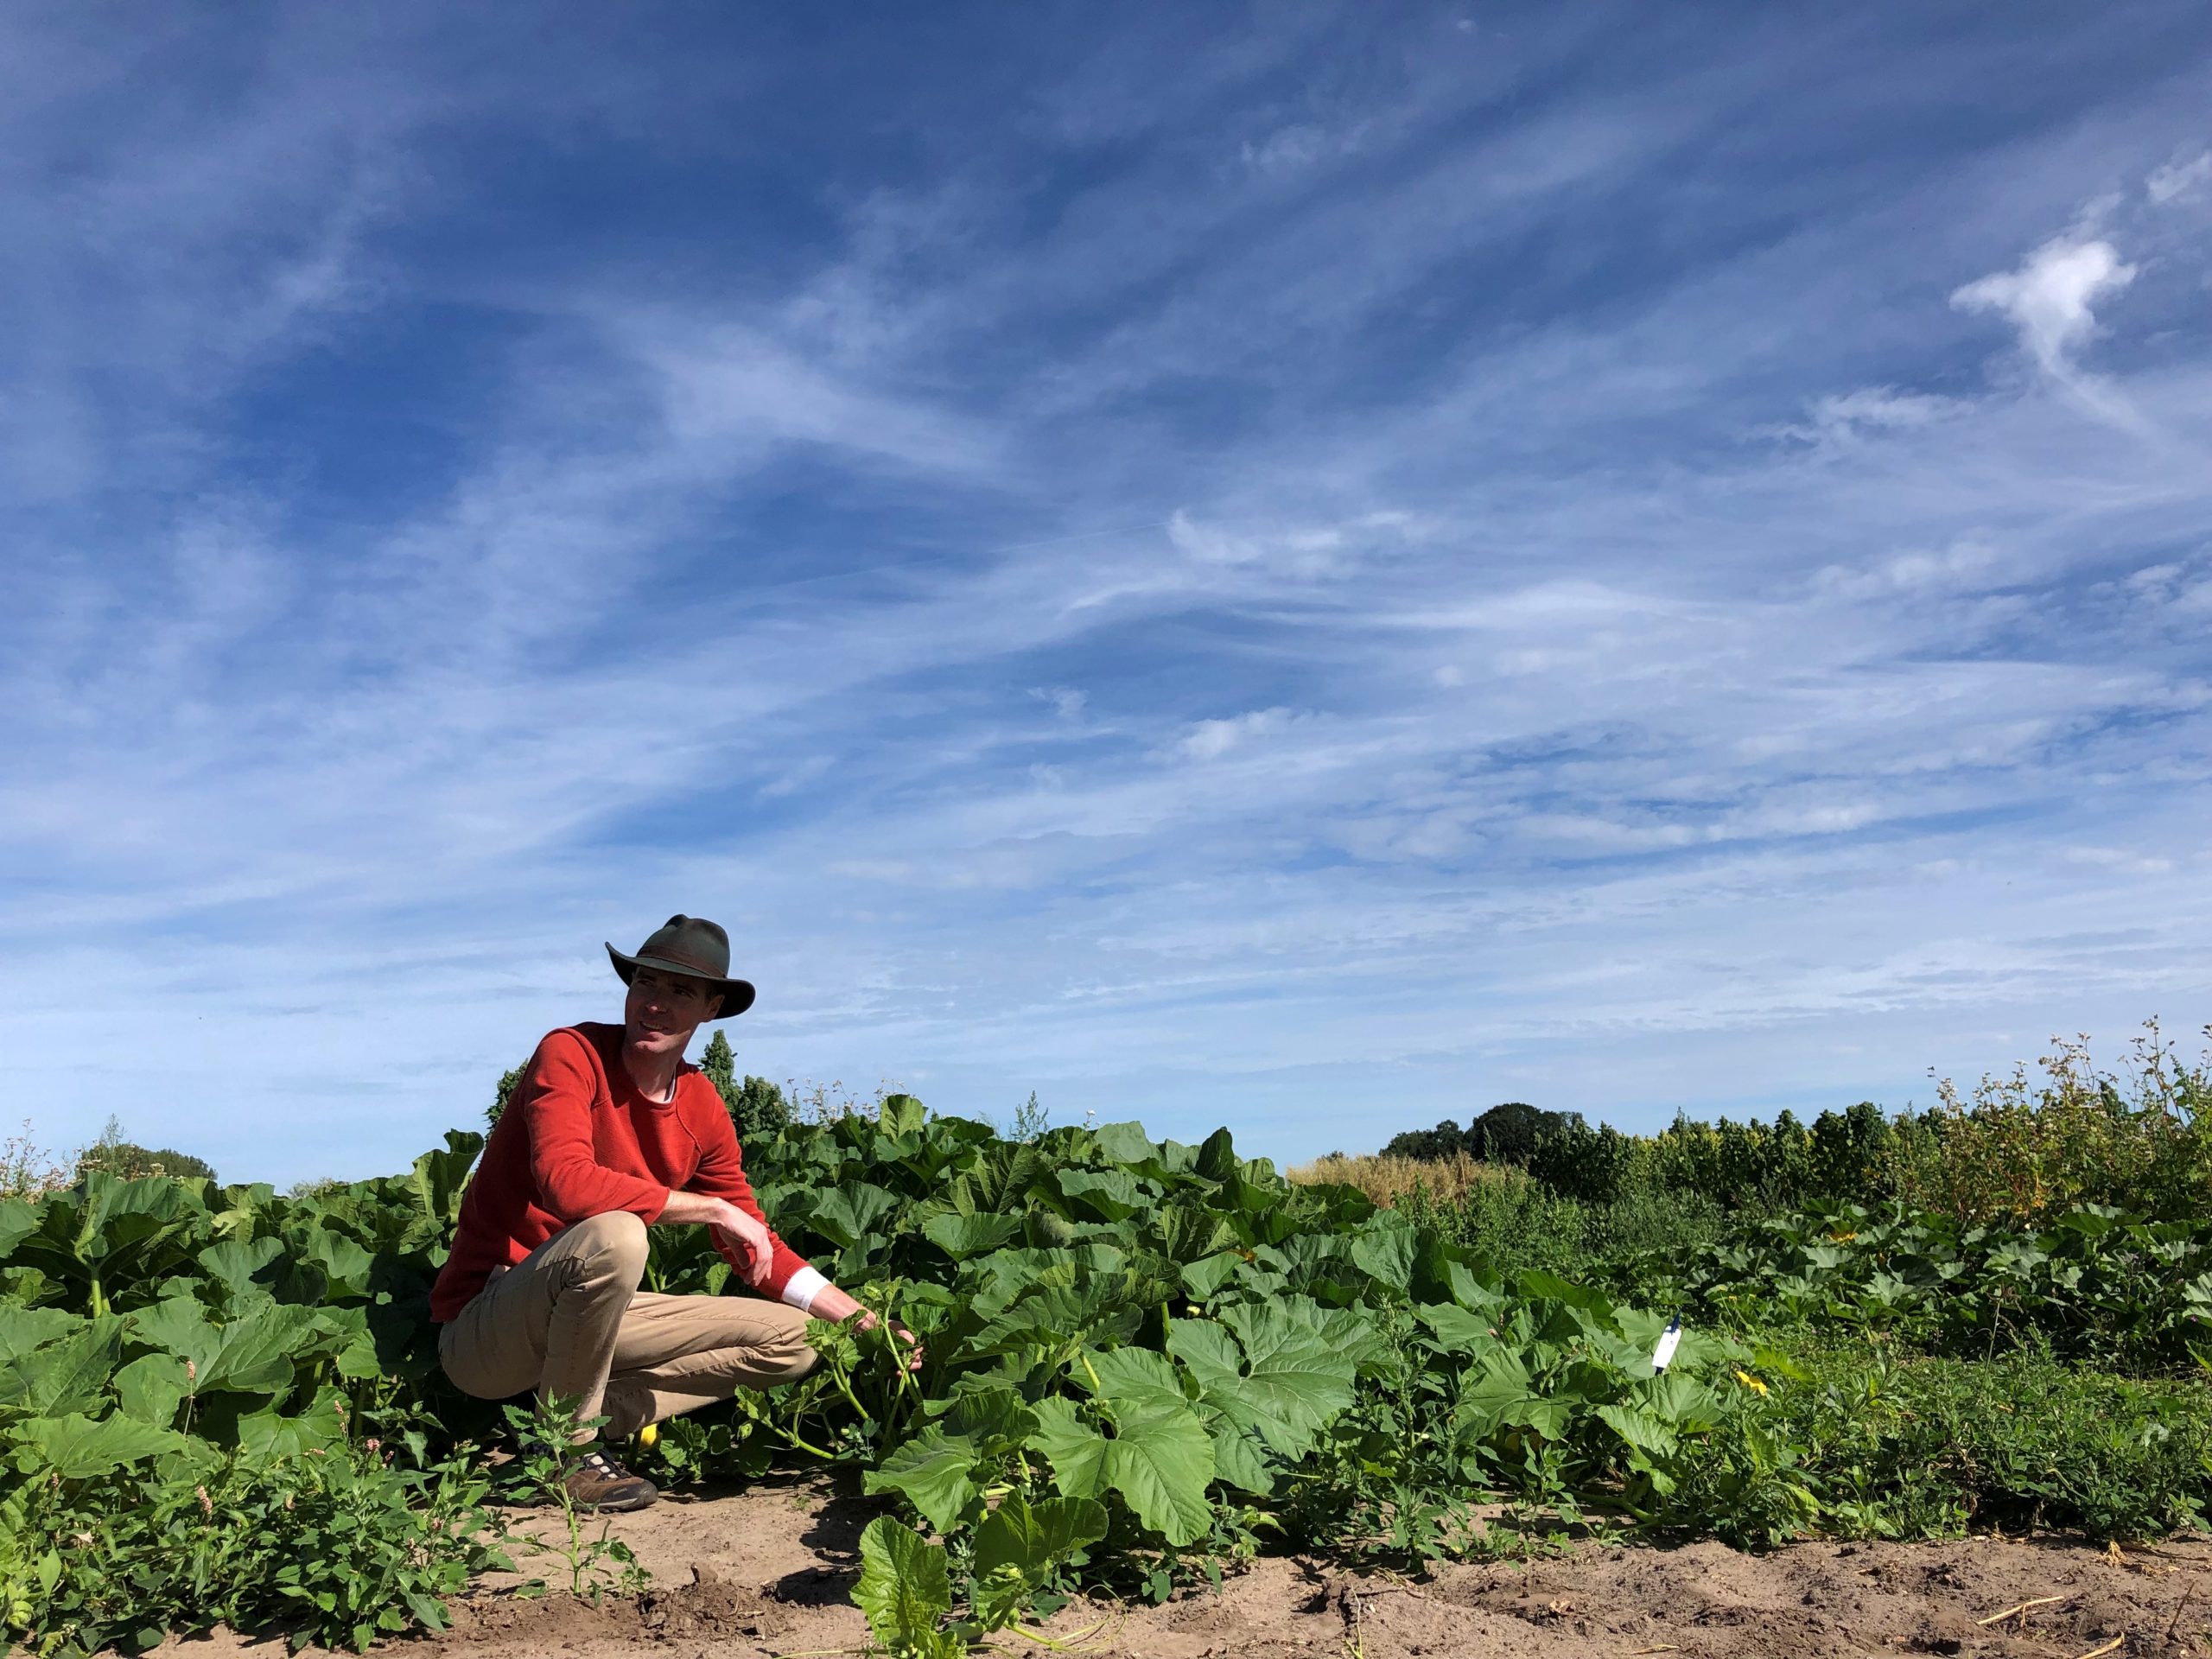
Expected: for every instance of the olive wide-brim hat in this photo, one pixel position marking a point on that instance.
(693, 945)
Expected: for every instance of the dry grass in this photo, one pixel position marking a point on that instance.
(1384, 1179)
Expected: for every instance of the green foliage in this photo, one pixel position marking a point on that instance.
(212, 1408)
(757, 1108)
(130, 1160)
(1515, 1221)
(2015, 1149)
(546, 1433)
(2010, 1148)
(2097, 1286)
(1927, 1447)
(341, 1545)
(1506, 1134)
(1141, 1358)
(509, 1079)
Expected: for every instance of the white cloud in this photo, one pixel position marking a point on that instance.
(1966, 565)
(2121, 860)
(1209, 739)
(1648, 753)
(2048, 298)
(2178, 180)
(1849, 417)
(794, 779)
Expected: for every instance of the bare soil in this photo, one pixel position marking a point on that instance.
(766, 1571)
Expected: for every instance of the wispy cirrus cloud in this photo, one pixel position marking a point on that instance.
(1547, 593)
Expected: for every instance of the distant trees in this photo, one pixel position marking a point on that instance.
(1508, 1133)
(757, 1108)
(1855, 1152)
(117, 1156)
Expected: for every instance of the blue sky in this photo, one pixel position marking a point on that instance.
(1308, 567)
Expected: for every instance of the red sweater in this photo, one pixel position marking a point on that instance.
(578, 1139)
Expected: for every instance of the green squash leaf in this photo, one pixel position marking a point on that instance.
(75, 1447)
(1162, 1461)
(933, 1470)
(960, 1237)
(1075, 1451)
(1018, 1545)
(151, 1387)
(23, 1329)
(905, 1586)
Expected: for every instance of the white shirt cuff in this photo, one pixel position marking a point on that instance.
(806, 1284)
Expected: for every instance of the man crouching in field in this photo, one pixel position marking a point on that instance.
(609, 1131)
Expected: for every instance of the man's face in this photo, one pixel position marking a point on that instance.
(662, 1010)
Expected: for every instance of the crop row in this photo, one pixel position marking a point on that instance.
(1146, 1361)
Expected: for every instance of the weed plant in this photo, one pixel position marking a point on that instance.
(552, 1438)
(341, 1546)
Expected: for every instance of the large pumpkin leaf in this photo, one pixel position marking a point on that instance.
(1132, 1379)
(848, 1215)
(905, 1588)
(23, 1329)
(70, 1375)
(1125, 1143)
(241, 1266)
(1162, 1461)
(1383, 1249)
(1020, 1543)
(75, 1447)
(1239, 1456)
(1457, 1332)
(1500, 1396)
(991, 1416)
(1292, 1384)
(346, 1266)
(439, 1177)
(1075, 1449)
(1111, 1195)
(269, 1434)
(962, 1235)
(1217, 1160)
(18, 1221)
(253, 1354)
(933, 1470)
(1639, 1429)
(151, 1387)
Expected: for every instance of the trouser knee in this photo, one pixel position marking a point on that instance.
(610, 1248)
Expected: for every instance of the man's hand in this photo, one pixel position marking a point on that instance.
(834, 1305)
(867, 1321)
(732, 1227)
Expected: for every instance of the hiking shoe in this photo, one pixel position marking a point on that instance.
(600, 1483)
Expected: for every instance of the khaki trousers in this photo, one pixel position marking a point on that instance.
(569, 1323)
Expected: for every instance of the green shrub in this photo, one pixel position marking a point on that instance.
(341, 1546)
(2012, 1147)
(757, 1108)
(1928, 1447)
(116, 1156)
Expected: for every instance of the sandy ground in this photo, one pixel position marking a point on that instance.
(766, 1571)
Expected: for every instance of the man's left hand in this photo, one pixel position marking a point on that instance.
(866, 1320)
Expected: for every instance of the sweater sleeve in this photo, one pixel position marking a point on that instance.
(721, 1174)
(555, 1099)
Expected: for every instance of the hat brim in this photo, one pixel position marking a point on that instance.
(736, 993)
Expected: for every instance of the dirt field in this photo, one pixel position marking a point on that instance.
(764, 1572)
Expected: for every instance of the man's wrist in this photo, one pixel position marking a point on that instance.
(805, 1290)
(832, 1303)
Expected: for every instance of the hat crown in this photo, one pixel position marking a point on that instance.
(689, 944)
